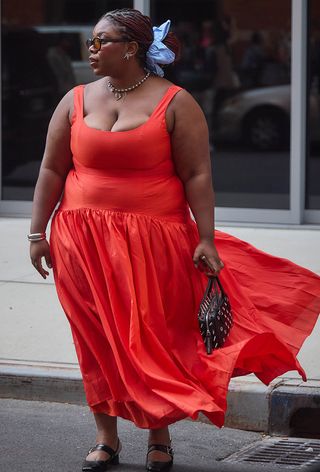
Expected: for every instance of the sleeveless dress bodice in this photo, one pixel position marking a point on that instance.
(130, 171)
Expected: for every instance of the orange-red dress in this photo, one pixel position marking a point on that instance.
(122, 242)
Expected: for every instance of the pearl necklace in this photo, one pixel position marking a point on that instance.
(119, 93)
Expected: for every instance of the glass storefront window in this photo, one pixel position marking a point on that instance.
(43, 56)
(313, 106)
(236, 63)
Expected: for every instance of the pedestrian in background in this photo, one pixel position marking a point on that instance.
(58, 57)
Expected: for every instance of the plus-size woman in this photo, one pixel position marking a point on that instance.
(125, 251)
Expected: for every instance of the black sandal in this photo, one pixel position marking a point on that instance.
(102, 466)
(159, 466)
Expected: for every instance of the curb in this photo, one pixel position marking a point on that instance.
(285, 407)
(45, 382)
(295, 410)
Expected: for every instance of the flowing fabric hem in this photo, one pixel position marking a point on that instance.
(214, 410)
(119, 409)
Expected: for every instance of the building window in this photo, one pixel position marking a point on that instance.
(43, 56)
(236, 63)
(313, 107)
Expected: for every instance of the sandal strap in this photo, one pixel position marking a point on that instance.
(160, 447)
(105, 448)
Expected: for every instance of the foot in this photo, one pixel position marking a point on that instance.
(114, 443)
(162, 437)
(159, 458)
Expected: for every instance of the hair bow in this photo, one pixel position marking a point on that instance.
(158, 53)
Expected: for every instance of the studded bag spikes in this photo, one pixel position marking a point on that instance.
(215, 317)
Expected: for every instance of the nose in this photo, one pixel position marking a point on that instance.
(92, 48)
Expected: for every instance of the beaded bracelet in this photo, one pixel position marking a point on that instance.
(35, 237)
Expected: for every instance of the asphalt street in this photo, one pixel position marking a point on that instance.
(47, 437)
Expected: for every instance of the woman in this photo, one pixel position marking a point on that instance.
(130, 151)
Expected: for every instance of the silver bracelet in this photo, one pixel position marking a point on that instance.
(34, 237)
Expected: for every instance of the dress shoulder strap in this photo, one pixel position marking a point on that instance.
(77, 102)
(166, 99)
(78, 93)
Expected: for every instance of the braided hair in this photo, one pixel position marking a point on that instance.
(138, 27)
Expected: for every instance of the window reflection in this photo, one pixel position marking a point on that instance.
(313, 93)
(236, 63)
(43, 56)
(28, 97)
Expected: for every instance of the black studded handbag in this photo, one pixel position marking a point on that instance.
(214, 316)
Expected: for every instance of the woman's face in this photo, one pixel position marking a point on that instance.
(109, 60)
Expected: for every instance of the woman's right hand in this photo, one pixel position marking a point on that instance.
(38, 250)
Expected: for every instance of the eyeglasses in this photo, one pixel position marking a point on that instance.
(97, 42)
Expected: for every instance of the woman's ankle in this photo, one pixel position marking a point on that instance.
(159, 436)
(110, 439)
(107, 430)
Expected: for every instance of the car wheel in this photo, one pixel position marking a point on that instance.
(266, 130)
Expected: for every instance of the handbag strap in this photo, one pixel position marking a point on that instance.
(214, 280)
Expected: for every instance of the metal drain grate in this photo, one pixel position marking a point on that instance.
(290, 452)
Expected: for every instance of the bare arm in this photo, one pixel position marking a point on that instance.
(190, 146)
(55, 165)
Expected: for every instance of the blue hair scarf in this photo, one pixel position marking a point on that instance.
(158, 53)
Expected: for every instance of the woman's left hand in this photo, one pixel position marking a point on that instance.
(206, 258)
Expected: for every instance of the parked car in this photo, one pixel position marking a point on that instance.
(260, 118)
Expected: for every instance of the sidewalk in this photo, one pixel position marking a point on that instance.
(37, 357)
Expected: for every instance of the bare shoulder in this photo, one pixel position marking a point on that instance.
(94, 94)
(67, 101)
(95, 88)
(64, 109)
(184, 113)
(183, 102)
(91, 88)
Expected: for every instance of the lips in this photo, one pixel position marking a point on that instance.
(93, 61)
